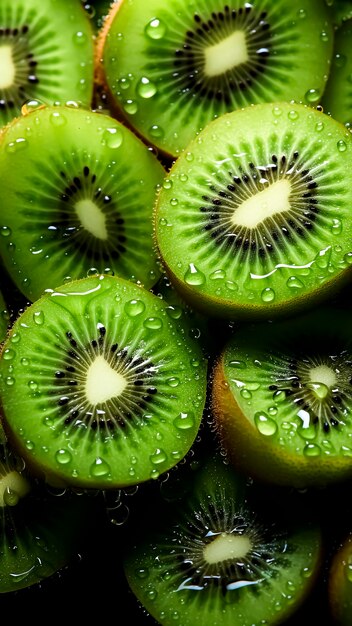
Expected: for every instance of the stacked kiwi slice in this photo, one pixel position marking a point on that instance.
(215, 561)
(46, 53)
(78, 190)
(192, 62)
(100, 385)
(175, 271)
(255, 218)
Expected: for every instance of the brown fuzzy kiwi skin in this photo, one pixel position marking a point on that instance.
(254, 454)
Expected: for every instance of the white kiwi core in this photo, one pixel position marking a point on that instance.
(7, 67)
(266, 203)
(227, 546)
(322, 379)
(13, 486)
(225, 55)
(103, 382)
(91, 218)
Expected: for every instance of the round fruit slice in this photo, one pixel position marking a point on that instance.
(78, 191)
(282, 398)
(192, 62)
(255, 217)
(337, 98)
(46, 53)
(340, 583)
(40, 533)
(100, 386)
(215, 562)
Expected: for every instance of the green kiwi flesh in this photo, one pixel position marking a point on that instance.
(340, 583)
(100, 385)
(39, 533)
(194, 62)
(78, 190)
(213, 561)
(4, 318)
(46, 53)
(254, 218)
(282, 398)
(337, 99)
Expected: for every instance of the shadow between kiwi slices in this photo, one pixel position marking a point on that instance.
(281, 396)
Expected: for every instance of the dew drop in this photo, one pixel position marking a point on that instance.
(33, 385)
(174, 311)
(341, 145)
(311, 450)
(218, 275)
(293, 115)
(15, 146)
(8, 354)
(173, 381)
(241, 365)
(29, 445)
(79, 38)
(319, 126)
(167, 184)
(39, 318)
(336, 227)
(145, 88)
(301, 13)
(277, 111)
(322, 259)
(312, 95)
(184, 421)
(130, 106)
(154, 323)
(152, 594)
(142, 573)
(348, 258)
(155, 29)
(11, 497)
(194, 276)
(246, 394)
(174, 202)
(134, 308)
(63, 456)
(265, 425)
(189, 157)
(268, 295)
(279, 396)
(113, 137)
(294, 283)
(10, 381)
(5, 231)
(99, 468)
(324, 36)
(157, 132)
(57, 119)
(340, 60)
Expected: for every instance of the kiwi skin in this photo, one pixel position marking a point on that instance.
(251, 453)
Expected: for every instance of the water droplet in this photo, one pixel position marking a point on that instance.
(29, 445)
(175, 312)
(154, 323)
(157, 132)
(152, 594)
(294, 283)
(99, 468)
(324, 36)
(39, 318)
(57, 119)
(265, 424)
(319, 126)
(174, 202)
(183, 178)
(145, 88)
(173, 381)
(218, 275)
(113, 137)
(348, 258)
(155, 29)
(25, 362)
(277, 111)
(11, 497)
(246, 394)
(301, 13)
(63, 456)
(340, 60)
(272, 410)
(142, 572)
(189, 156)
(311, 450)
(79, 38)
(130, 106)
(268, 295)
(184, 421)
(15, 146)
(293, 115)
(33, 385)
(167, 184)
(5, 231)
(193, 276)
(322, 259)
(341, 145)
(8, 354)
(134, 307)
(158, 457)
(348, 571)
(336, 227)
(312, 95)
(241, 365)
(279, 396)
(10, 381)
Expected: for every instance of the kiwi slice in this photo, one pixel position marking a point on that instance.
(282, 399)
(40, 533)
(214, 561)
(4, 318)
(100, 385)
(340, 583)
(77, 198)
(46, 53)
(254, 217)
(337, 100)
(192, 62)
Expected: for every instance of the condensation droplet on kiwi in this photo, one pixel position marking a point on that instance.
(265, 425)
(15, 146)
(146, 88)
(112, 137)
(194, 276)
(155, 29)
(57, 119)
